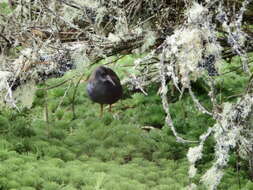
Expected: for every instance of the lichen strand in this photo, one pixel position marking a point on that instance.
(182, 58)
(231, 130)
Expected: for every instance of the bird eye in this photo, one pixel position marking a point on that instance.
(103, 74)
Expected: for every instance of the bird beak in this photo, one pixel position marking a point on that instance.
(108, 78)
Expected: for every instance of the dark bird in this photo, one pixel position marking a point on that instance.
(104, 87)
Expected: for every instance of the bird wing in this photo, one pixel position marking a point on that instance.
(113, 75)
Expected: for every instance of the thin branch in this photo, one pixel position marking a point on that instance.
(65, 94)
(74, 96)
(59, 84)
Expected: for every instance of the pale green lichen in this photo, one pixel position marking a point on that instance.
(212, 178)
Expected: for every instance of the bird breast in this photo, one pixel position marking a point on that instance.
(104, 92)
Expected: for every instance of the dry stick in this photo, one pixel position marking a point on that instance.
(233, 70)
(59, 17)
(101, 110)
(46, 111)
(5, 39)
(57, 85)
(73, 5)
(249, 84)
(46, 102)
(235, 95)
(46, 98)
(65, 93)
(114, 61)
(9, 94)
(74, 96)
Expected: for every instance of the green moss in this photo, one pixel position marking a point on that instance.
(13, 184)
(59, 114)
(51, 186)
(21, 128)
(27, 188)
(40, 93)
(5, 9)
(4, 123)
(249, 185)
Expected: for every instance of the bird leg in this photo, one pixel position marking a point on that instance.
(101, 110)
(110, 108)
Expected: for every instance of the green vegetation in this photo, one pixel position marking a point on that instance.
(109, 153)
(4, 8)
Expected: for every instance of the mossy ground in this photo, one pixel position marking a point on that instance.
(109, 153)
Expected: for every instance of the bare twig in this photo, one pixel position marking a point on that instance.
(74, 96)
(46, 111)
(65, 93)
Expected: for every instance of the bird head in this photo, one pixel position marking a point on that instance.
(104, 75)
